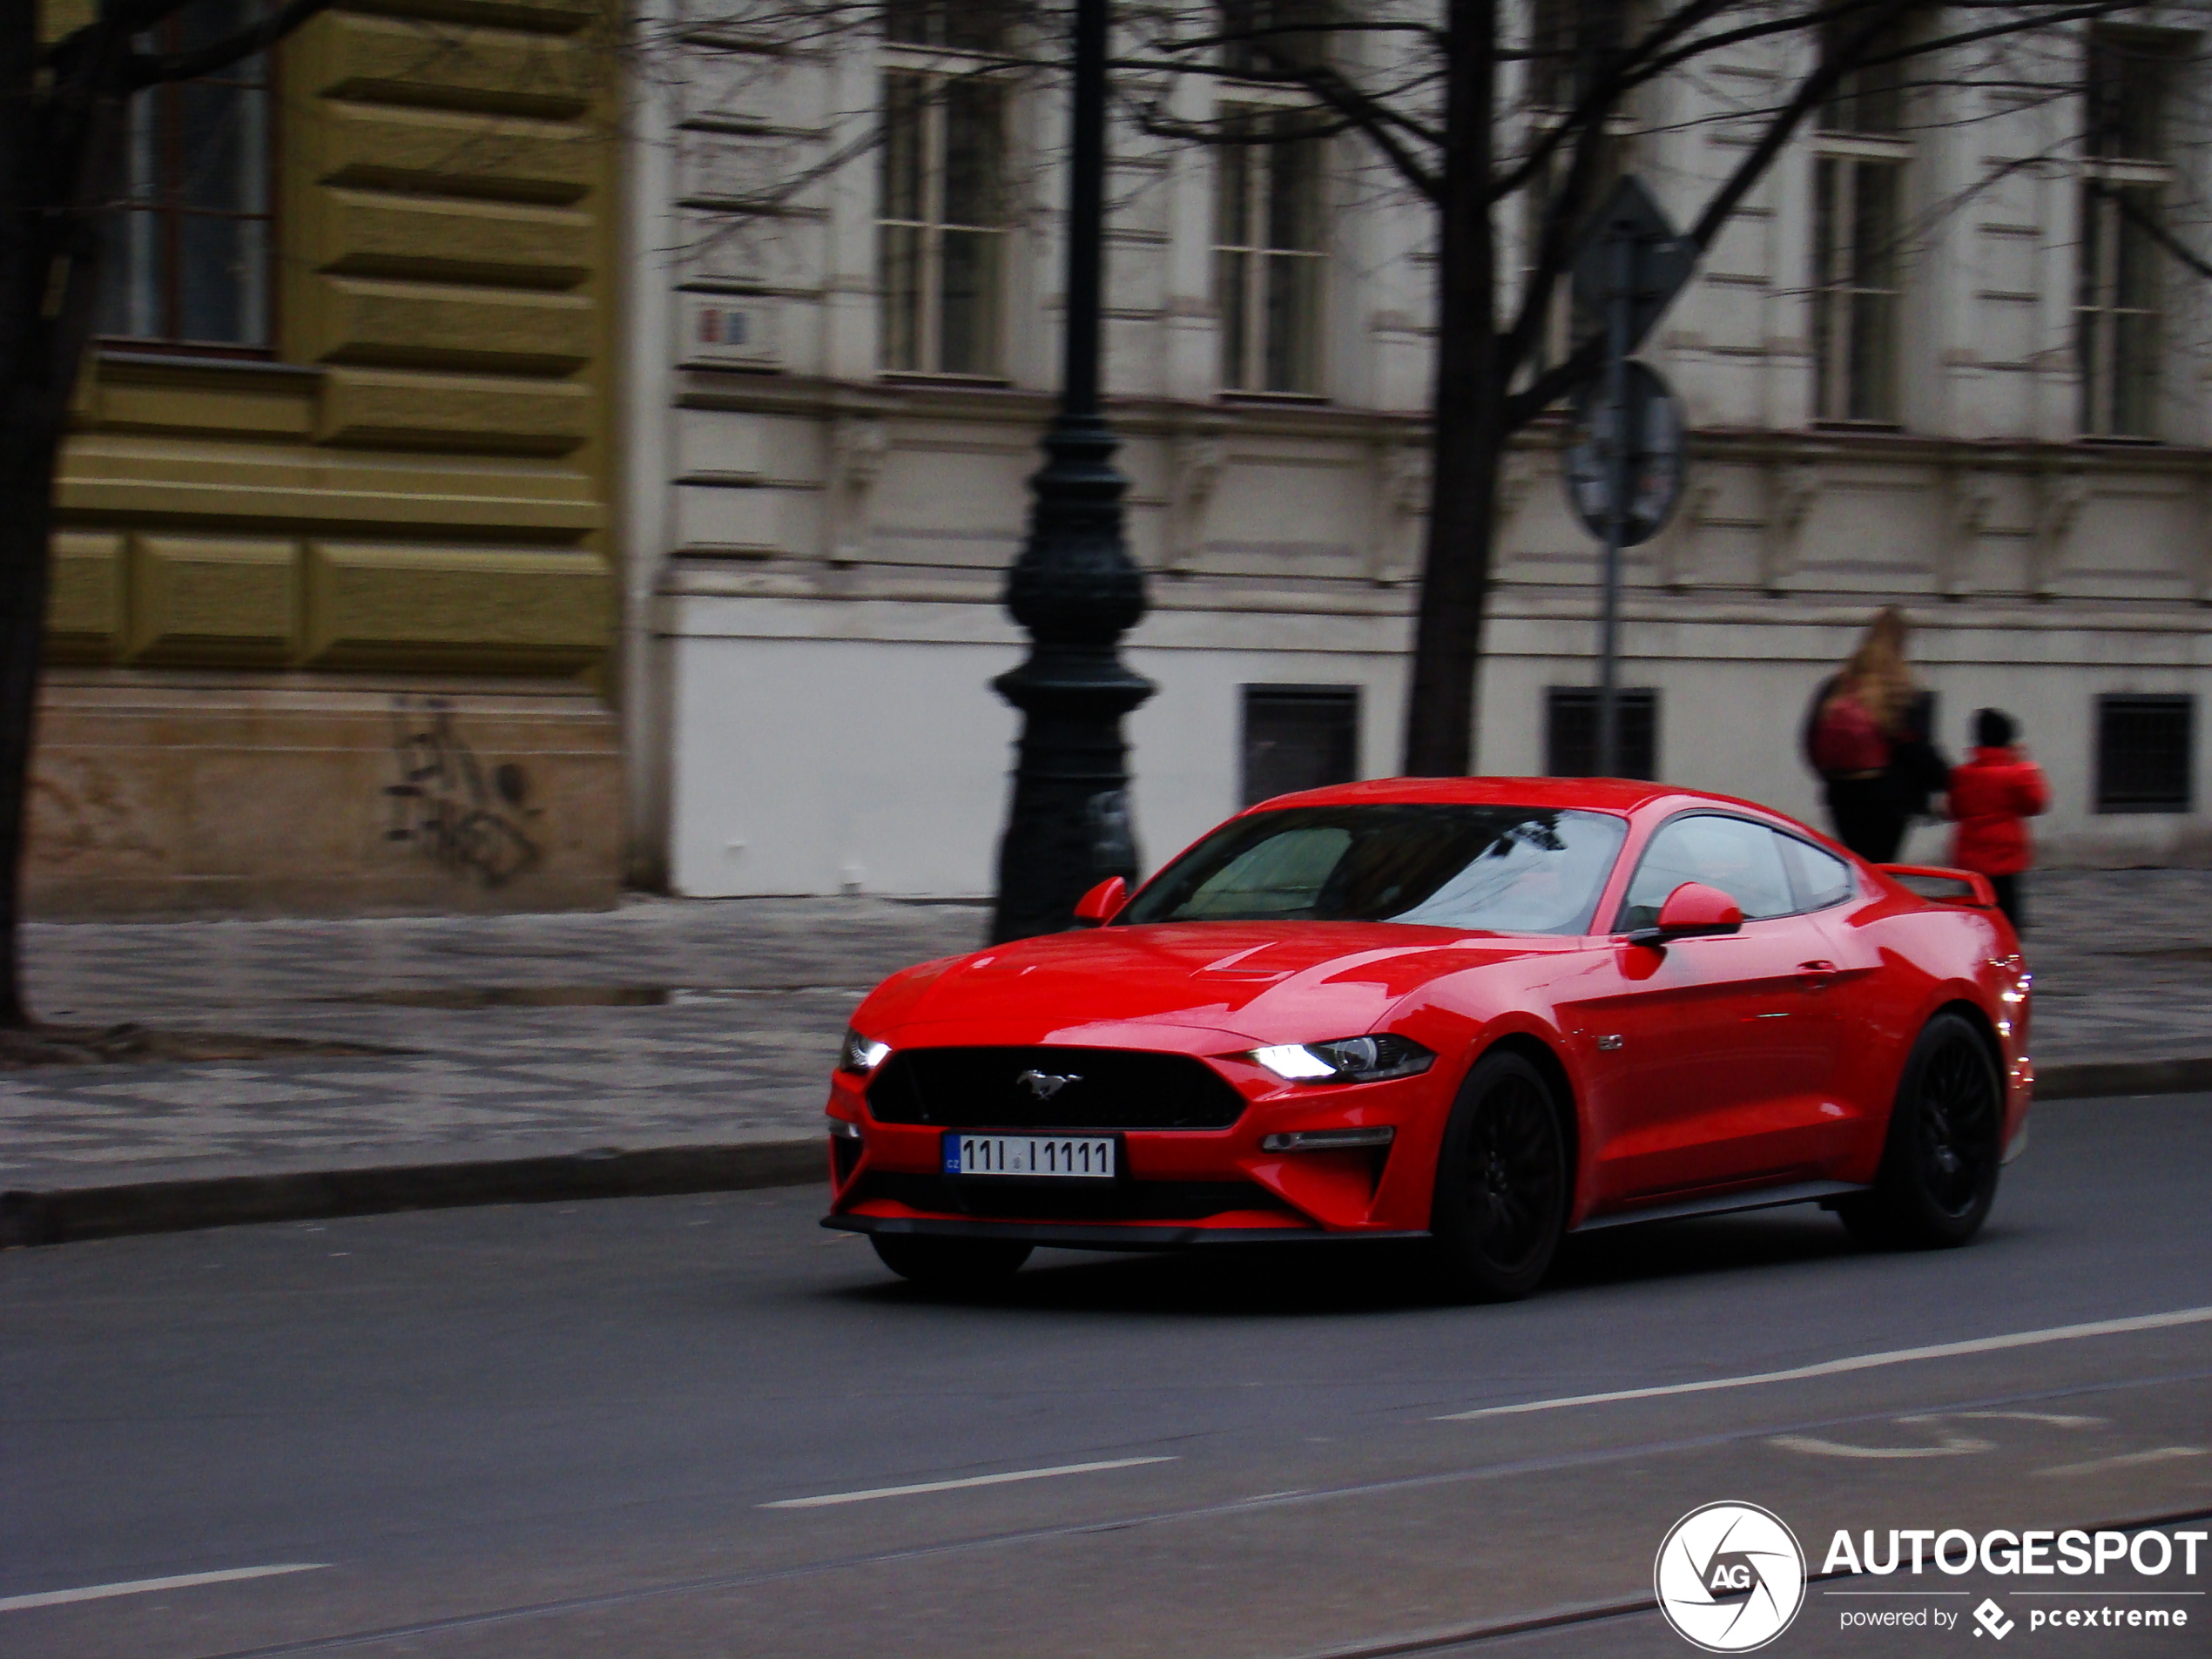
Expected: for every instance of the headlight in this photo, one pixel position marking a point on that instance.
(859, 1055)
(1348, 1059)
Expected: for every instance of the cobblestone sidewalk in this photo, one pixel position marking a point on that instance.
(671, 1022)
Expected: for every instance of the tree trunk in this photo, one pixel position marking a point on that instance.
(54, 142)
(1468, 414)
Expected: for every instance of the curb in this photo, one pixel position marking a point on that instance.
(2090, 1079)
(65, 1215)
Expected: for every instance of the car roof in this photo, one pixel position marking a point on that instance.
(1621, 795)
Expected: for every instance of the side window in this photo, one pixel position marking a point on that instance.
(1740, 858)
(1821, 879)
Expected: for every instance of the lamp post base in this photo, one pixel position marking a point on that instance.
(1070, 827)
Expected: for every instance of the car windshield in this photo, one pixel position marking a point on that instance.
(1492, 869)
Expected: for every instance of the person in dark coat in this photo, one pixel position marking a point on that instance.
(1867, 733)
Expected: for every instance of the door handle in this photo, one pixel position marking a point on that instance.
(1818, 975)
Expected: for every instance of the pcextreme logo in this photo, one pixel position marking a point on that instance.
(1730, 1577)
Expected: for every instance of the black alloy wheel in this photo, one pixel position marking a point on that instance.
(949, 1263)
(1501, 1183)
(1946, 1145)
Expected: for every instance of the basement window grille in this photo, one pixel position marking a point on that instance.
(1570, 732)
(2145, 746)
(1300, 737)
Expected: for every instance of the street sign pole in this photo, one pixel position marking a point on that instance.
(1633, 263)
(1616, 515)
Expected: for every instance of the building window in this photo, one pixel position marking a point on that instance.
(2117, 320)
(189, 240)
(1570, 732)
(1569, 41)
(2145, 746)
(944, 220)
(1268, 255)
(1300, 737)
(1269, 39)
(2126, 94)
(954, 25)
(1855, 288)
(1871, 99)
(2117, 317)
(1857, 195)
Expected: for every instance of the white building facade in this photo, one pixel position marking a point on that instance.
(1934, 362)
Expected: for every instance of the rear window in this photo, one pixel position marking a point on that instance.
(1488, 869)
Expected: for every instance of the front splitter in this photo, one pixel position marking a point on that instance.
(1135, 1236)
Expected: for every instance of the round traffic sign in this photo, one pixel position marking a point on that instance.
(1652, 433)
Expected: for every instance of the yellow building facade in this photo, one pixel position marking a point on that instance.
(332, 606)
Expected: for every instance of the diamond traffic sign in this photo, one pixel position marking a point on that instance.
(1659, 259)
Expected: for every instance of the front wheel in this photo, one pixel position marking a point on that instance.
(1939, 1163)
(1501, 1183)
(949, 1263)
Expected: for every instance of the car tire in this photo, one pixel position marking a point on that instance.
(949, 1263)
(1503, 1187)
(1944, 1147)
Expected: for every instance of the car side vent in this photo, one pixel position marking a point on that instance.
(1052, 1089)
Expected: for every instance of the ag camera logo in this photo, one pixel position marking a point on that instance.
(1730, 1577)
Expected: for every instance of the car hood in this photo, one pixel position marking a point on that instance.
(1267, 982)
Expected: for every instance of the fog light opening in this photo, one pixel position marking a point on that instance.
(846, 1145)
(1327, 1139)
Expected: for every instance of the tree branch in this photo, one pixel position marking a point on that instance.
(2130, 211)
(145, 70)
(1526, 405)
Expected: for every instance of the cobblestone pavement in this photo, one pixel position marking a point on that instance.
(667, 1023)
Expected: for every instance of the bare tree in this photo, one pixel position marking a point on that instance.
(1432, 88)
(62, 110)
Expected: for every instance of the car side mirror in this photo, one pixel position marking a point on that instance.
(1101, 905)
(1692, 911)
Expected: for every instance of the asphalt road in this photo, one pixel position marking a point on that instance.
(577, 1429)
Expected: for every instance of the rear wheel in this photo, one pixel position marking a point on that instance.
(1939, 1165)
(1501, 1183)
(949, 1263)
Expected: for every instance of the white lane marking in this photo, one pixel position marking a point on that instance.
(2057, 1420)
(828, 1498)
(1857, 1362)
(1953, 1445)
(2127, 1460)
(142, 1586)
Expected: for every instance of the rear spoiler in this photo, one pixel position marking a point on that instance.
(1965, 887)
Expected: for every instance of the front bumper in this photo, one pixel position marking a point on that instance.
(1079, 1236)
(1173, 1187)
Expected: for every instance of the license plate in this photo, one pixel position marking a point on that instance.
(1078, 1156)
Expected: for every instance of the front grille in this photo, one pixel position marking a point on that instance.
(1016, 1200)
(1104, 1089)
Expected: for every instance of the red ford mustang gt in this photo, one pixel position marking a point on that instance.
(1485, 1012)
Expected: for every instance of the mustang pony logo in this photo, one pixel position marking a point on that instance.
(1044, 1085)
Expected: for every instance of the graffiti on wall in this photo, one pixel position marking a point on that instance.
(451, 807)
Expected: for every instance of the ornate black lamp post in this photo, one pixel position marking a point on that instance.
(1075, 589)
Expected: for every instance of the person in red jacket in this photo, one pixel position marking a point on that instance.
(1992, 798)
